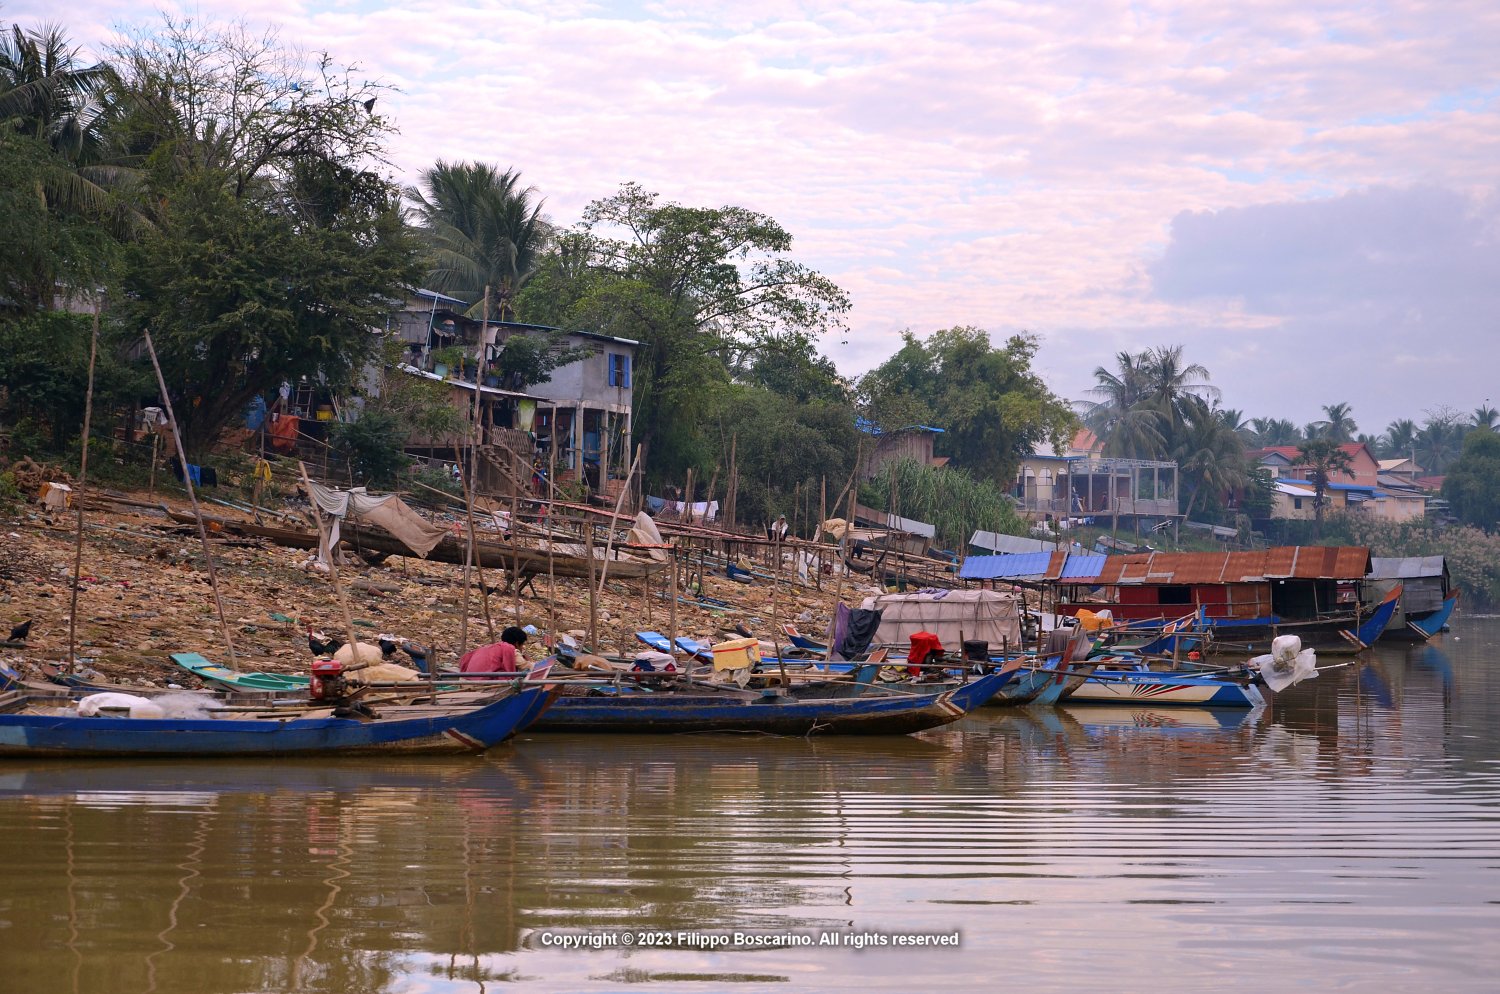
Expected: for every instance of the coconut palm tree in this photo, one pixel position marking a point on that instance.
(1276, 431)
(1484, 416)
(48, 94)
(1321, 459)
(1340, 426)
(1400, 438)
(1438, 442)
(483, 228)
(1210, 455)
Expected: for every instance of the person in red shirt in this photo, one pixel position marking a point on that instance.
(500, 657)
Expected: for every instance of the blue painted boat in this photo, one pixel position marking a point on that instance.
(1141, 686)
(804, 711)
(36, 725)
(1333, 636)
(1429, 625)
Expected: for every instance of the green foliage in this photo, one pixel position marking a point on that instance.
(1321, 459)
(373, 445)
(952, 502)
(10, 493)
(692, 285)
(782, 445)
(1472, 486)
(1472, 554)
(243, 294)
(993, 408)
(481, 229)
(1259, 498)
(44, 369)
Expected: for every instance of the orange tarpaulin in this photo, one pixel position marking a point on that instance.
(284, 433)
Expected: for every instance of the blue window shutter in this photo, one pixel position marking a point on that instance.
(612, 376)
(625, 362)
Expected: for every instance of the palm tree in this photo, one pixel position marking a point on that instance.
(483, 228)
(1119, 416)
(1484, 416)
(1276, 431)
(1400, 438)
(1236, 422)
(1210, 454)
(1321, 458)
(1438, 443)
(1340, 426)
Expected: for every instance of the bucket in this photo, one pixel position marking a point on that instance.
(976, 650)
(736, 654)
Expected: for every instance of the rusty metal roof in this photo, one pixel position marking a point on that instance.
(1301, 562)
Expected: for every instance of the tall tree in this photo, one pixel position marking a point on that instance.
(1210, 456)
(693, 285)
(482, 229)
(1472, 485)
(1322, 459)
(1485, 416)
(1339, 426)
(1276, 431)
(1439, 440)
(1141, 405)
(1400, 438)
(276, 246)
(993, 408)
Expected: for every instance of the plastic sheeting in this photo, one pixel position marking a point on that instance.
(1288, 664)
(389, 512)
(954, 616)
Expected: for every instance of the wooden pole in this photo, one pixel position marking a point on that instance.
(83, 476)
(333, 565)
(588, 536)
(609, 545)
(463, 624)
(473, 553)
(187, 480)
(155, 447)
(552, 531)
(838, 594)
(687, 499)
(672, 607)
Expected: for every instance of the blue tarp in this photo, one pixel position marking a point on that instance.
(1029, 566)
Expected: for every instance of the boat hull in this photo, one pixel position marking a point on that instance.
(1420, 629)
(433, 729)
(1125, 687)
(673, 712)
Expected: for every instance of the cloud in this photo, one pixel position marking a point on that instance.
(1076, 169)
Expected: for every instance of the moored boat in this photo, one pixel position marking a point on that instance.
(33, 724)
(805, 711)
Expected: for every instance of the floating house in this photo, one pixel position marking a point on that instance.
(1427, 595)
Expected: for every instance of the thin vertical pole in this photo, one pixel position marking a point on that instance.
(333, 567)
(469, 551)
(187, 480)
(83, 476)
(609, 545)
(588, 537)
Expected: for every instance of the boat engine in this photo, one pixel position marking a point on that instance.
(328, 683)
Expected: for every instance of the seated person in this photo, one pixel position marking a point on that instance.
(500, 657)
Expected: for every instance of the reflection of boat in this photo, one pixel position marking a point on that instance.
(38, 725)
(847, 710)
(1174, 719)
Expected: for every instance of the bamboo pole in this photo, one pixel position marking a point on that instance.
(463, 624)
(588, 536)
(672, 607)
(83, 476)
(187, 480)
(551, 563)
(609, 545)
(333, 566)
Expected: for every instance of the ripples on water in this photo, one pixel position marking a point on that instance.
(1346, 838)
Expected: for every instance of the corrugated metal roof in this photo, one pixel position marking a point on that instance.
(894, 521)
(1406, 568)
(1015, 566)
(1305, 562)
(1082, 567)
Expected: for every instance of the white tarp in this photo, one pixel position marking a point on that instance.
(991, 616)
(389, 512)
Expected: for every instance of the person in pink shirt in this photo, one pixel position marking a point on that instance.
(499, 657)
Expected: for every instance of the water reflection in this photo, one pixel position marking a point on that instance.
(1346, 832)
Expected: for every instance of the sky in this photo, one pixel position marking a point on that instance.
(1304, 194)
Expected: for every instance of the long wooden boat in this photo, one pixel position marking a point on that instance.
(805, 712)
(1345, 635)
(1420, 628)
(37, 725)
(367, 540)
